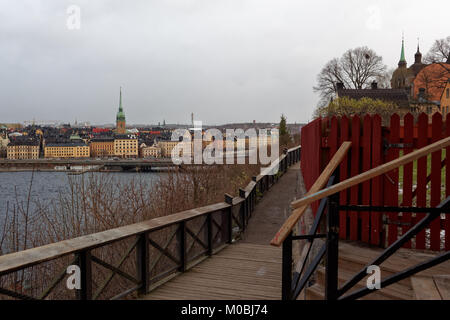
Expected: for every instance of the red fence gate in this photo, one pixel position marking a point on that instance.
(425, 182)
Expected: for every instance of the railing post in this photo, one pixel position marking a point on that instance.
(243, 211)
(286, 277)
(331, 266)
(253, 193)
(182, 245)
(142, 256)
(209, 226)
(228, 219)
(84, 262)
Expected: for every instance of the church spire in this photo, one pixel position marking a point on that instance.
(418, 55)
(120, 115)
(402, 61)
(120, 101)
(120, 118)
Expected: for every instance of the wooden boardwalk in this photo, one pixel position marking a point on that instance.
(241, 271)
(249, 269)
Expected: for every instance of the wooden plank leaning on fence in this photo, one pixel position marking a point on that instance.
(372, 173)
(319, 184)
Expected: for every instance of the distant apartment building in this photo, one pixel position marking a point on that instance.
(66, 150)
(167, 147)
(23, 148)
(102, 147)
(12, 126)
(445, 99)
(150, 151)
(126, 146)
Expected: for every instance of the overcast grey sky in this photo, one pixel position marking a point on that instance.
(224, 60)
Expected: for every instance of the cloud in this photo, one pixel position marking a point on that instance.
(226, 61)
(374, 20)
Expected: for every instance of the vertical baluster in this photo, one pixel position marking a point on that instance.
(84, 262)
(243, 210)
(182, 246)
(331, 266)
(209, 225)
(227, 218)
(286, 277)
(142, 259)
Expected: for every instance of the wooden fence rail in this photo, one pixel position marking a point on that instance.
(187, 238)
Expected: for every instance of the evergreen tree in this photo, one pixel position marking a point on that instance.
(285, 137)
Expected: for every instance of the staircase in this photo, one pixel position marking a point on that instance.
(433, 283)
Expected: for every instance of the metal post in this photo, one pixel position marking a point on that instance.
(182, 245)
(142, 257)
(331, 267)
(84, 261)
(286, 277)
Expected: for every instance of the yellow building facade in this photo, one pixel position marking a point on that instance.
(23, 151)
(102, 147)
(151, 151)
(66, 150)
(167, 147)
(126, 147)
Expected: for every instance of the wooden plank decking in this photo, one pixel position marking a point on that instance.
(241, 271)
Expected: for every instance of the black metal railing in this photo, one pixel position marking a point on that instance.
(293, 283)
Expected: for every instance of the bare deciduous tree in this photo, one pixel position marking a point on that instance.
(433, 79)
(355, 69)
(330, 74)
(384, 80)
(439, 52)
(361, 65)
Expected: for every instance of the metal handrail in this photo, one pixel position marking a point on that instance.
(331, 287)
(443, 207)
(300, 284)
(330, 248)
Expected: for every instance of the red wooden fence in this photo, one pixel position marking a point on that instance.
(423, 183)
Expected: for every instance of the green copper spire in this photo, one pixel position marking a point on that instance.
(402, 56)
(120, 114)
(402, 61)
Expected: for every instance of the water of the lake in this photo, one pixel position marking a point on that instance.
(46, 186)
